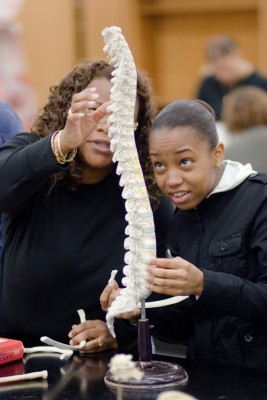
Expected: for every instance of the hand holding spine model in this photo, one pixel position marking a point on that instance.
(140, 243)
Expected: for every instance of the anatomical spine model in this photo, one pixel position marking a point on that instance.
(140, 245)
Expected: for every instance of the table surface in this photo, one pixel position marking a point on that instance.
(82, 377)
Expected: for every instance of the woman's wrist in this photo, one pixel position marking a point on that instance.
(60, 155)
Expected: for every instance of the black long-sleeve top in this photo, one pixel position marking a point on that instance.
(59, 246)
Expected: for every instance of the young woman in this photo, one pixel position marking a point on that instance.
(218, 239)
(64, 217)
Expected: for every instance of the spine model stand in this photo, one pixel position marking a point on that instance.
(140, 245)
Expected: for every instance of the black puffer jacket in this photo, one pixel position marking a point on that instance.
(225, 236)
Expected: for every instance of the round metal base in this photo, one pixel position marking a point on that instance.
(157, 375)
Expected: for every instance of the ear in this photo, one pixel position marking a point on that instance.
(218, 154)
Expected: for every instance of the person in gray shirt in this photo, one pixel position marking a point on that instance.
(245, 118)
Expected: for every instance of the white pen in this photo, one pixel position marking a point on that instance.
(168, 254)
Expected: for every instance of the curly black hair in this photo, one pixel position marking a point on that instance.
(54, 114)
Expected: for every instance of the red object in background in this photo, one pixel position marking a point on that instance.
(10, 350)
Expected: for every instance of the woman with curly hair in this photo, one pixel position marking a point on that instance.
(64, 217)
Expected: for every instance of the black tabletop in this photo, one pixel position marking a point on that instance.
(82, 377)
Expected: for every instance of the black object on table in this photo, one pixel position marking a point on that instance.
(82, 377)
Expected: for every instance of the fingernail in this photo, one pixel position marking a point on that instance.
(94, 95)
(71, 342)
(70, 335)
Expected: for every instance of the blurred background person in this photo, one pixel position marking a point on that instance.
(15, 85)
(245, 116)
(227, 70)
(10, 124)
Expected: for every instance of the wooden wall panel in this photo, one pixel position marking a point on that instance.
(262, 34)
(178, 42)
(167, 37)
(164, 7)
(49, 41)
(122, 13)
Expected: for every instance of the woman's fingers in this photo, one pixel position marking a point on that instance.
(174, 277)
(100, 112)
(109, 294)
(82, 103)
(96, 334)
(86, 95)
(83, 117)
(166, 263)
(99, 344)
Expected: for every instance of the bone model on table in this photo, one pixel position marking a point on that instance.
(141, 242)
(64, 346)
(23, 377)
(175, 395)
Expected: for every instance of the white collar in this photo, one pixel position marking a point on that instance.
(234, 173)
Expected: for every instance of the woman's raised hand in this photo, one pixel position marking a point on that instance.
(82, 119)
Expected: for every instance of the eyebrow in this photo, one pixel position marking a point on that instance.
(176, 152)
